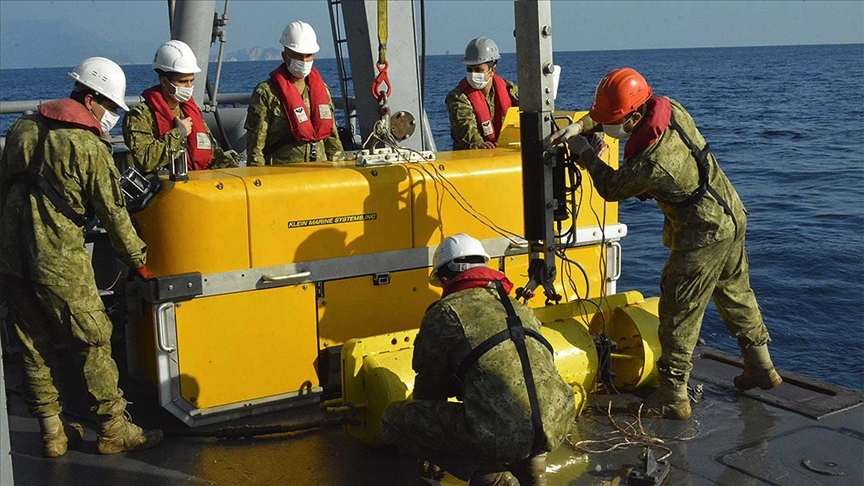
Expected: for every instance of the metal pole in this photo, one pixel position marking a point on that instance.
(361, 34)
(193, 24)
(534, 72)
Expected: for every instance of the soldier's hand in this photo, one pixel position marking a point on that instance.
(563, 135)
(577, 145)
(488, 145)
(598, 144)
(184, 125)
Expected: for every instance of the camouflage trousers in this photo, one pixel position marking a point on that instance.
(76, 317)
(437, 431)
(689, 279)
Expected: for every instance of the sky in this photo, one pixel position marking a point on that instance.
(36, 33)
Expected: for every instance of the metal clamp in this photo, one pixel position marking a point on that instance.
(162, 327)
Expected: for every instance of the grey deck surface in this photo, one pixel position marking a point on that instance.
(733, 439)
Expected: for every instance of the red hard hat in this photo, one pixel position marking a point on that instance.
(619, 92)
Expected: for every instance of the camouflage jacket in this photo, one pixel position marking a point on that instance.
(267, 125)
(37, 242)
(150, 152)
(667, 172)
(494, 392)
(463, 123)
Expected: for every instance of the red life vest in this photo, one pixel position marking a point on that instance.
(657, 118)
(292, 101)
(67, 110)
(489, 129)
(477, 277)
(199, 158)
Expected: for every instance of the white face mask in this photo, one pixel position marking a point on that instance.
(182, 94)
(300, 69)
(108, 121)
(477, 80)
(616, 131)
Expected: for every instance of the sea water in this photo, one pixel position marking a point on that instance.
(786, 125)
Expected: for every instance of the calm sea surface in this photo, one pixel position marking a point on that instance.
(786, 124)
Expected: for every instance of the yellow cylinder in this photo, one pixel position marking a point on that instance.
(376, 370)
(635, 328)
(575, 356)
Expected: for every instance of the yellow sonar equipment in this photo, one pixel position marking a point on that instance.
(376, 370)
(264, 272)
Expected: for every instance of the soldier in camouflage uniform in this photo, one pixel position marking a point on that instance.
(478, 105)
(493, 428)
(291, 115)
(169, 120)
(55, 173)
(666, 159)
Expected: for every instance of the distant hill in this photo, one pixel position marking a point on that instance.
(250, 54)
(64, 44)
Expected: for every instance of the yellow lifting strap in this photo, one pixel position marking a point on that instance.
(382, 79)
(382, 31)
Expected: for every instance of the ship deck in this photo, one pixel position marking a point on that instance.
(805, 432)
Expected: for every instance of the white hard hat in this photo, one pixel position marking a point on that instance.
(175, 56)
(300, 38)
(103, 76)
(480, 51)
(453, 247)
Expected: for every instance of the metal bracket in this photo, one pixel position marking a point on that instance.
(651, 472)
(605, 348)
(184, 286)
(381, 278)
(387, 155)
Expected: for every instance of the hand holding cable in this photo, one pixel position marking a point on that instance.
(563, 135)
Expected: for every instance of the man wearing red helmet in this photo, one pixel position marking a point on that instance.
(666, 159)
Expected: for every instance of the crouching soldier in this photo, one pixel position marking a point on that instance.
(481, 346)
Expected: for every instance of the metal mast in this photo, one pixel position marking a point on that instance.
(534, 73)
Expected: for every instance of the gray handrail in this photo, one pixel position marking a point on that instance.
(29, 106)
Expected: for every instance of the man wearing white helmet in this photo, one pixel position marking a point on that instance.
(478, 105)
(481, 346)
(169, 120)
(56, 174)
(291, 115)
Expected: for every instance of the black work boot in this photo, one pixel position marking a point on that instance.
(531, 471)
(500, 478)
